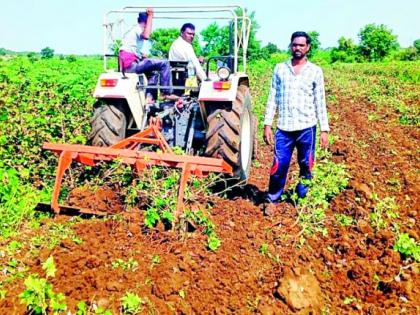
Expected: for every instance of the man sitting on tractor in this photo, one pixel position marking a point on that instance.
(133, 57)
(182, 50)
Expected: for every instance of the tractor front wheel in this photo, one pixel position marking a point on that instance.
(109, 123)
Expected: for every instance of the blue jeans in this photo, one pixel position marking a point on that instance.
(285, 142)
(148, 67)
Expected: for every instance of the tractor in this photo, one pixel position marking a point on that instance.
(214, 125)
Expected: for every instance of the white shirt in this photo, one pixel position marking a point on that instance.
(181, 50)
(298, 98)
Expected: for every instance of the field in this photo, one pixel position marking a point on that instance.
(351, 247)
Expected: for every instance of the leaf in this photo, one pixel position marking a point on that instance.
(49, 267)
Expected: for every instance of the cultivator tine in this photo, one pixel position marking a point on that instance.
(125, 150)
(186, 172)
(64, 163)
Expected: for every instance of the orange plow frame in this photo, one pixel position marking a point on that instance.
(127, 151)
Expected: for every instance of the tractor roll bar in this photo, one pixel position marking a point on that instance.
(239, 41)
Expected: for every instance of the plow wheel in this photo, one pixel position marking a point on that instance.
(109, 123)
(230, 134)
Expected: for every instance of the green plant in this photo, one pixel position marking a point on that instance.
(265, 251)
(81, 308)
(344, 220)
(407, 246)
(131, 303)
(40, 297)
(384, 208)
(349, 300)
(131, 264)
(49, 267)
(3, 294)
(198, 217)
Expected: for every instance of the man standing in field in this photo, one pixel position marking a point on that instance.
(297, 92)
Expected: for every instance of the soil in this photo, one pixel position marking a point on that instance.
(353, 270)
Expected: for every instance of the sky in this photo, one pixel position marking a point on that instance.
(75, 26)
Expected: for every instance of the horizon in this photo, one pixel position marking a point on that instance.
(84, 36)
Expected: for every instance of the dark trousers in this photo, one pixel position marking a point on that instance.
(285, 142)
(149, 67)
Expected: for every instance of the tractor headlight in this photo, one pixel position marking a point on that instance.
(223, 73)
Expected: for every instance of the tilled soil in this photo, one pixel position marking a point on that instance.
(353, 270)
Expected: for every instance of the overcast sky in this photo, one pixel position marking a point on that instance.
(75, 27)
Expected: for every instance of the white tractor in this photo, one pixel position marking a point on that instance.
(215, 120)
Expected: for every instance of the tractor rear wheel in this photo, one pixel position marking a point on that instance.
(230, 134)
(109, 123)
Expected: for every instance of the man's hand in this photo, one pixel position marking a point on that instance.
(201, 59)
(323, 139)
(268, 135)
(150, 12)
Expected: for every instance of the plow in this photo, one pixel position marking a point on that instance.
(214, 125)
(127, 151)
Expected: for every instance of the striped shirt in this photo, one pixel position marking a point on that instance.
(299, 99)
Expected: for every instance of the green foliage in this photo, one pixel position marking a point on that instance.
(17, 200)
(376, 42)
(407, 246)
(131, 303)
(40, 297)
(49, 102)
(49, 267)
(384, 209)
(216, 40)
(53, 234)
(47, 53)
(270, 49)
(315, 43)
(345, 52)
(131, 264)
(198, 217)
(81, 308)
(71, 58)
(115, 46)
(329, 179)
(344, 220)
(416, 45)
(162, 39)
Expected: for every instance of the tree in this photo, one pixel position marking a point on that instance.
(163, 38)
(216, 39)
(47, 53)
(376, 42)
(345, 52)
(271, 48)
(315, 43)
(3, 51)
(416, 45)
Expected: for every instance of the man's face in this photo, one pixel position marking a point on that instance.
(188, 35)
(299, 47)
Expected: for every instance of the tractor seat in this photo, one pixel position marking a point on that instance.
(179, 74)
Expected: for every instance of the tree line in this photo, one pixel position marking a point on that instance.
(376, 43)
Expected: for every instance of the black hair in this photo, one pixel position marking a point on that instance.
(142, 17)
(187, 25)
(301, 34)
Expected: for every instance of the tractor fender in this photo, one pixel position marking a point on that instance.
(209, 93)
(125, 87)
